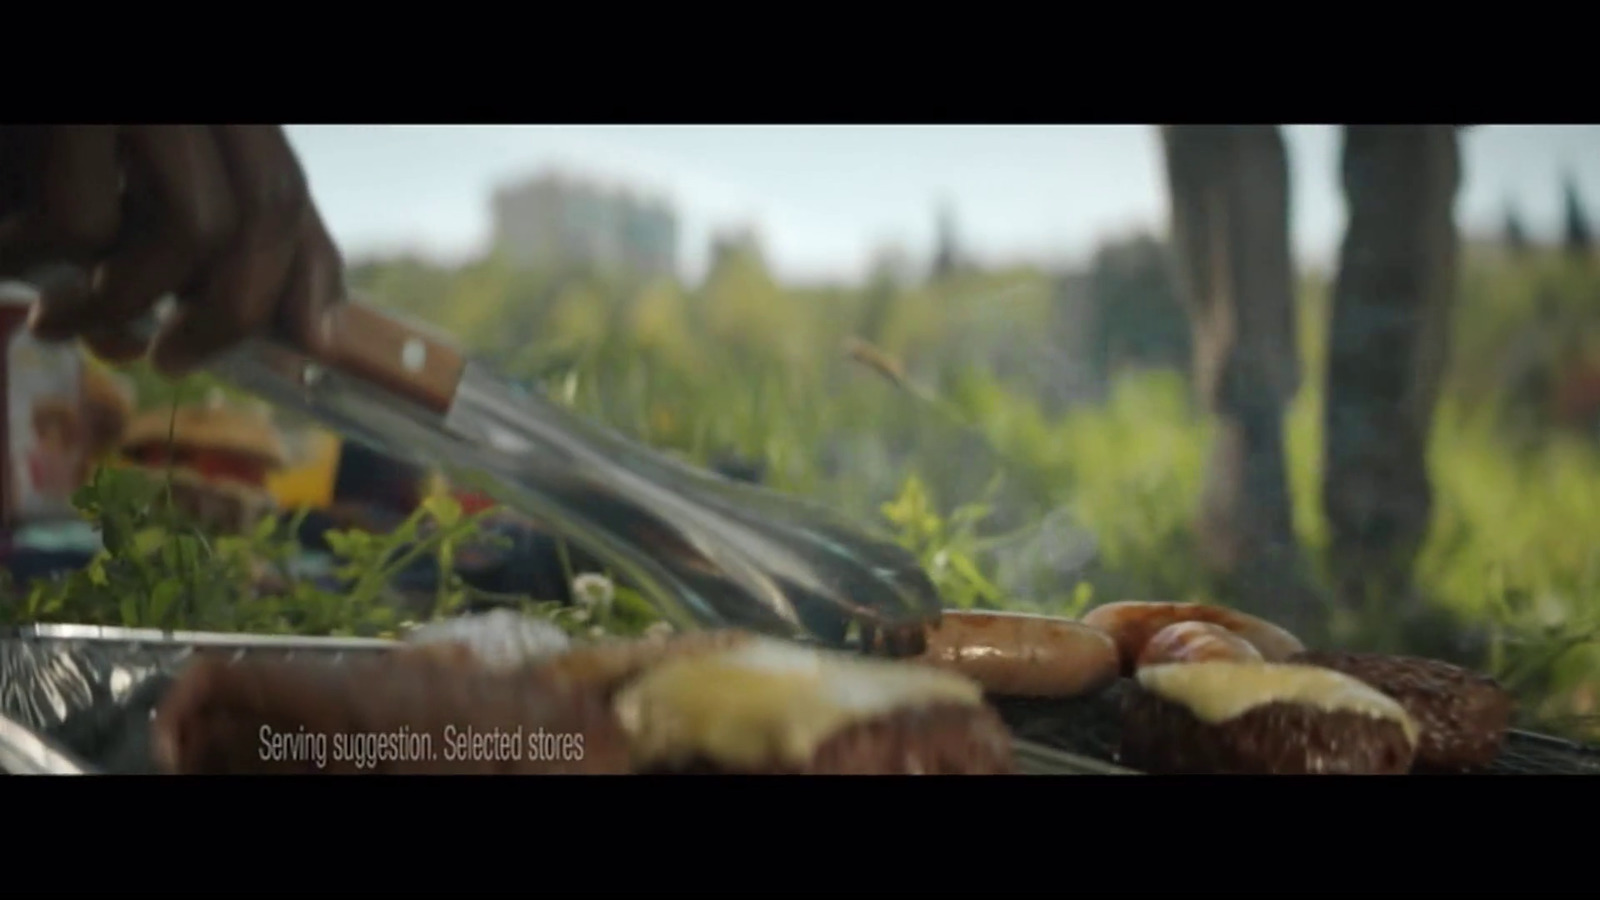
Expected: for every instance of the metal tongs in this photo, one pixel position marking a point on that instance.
(707, 551)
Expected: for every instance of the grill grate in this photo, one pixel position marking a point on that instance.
(1037, 759)
(1527, 753)
(1086, 727)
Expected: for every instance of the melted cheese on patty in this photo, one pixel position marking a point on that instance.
(769, 701)
(1219, 692)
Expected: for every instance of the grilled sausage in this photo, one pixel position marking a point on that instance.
(1131, 623)
(1190, 642)
(1023, 655)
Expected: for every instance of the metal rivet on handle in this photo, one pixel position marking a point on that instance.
(414, 355)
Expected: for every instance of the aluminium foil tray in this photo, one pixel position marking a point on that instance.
(85, 693)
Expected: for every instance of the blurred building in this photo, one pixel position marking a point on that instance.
(555, 220)
(740, 240)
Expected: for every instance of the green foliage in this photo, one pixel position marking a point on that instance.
(716, 370)
(959, 558)
(1007, 502)
(947, 547)
(627, 614)
(159, 570)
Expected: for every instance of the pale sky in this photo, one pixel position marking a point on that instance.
(824, 198)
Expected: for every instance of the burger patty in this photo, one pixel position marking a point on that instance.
(230, 507)
(434, 709)
(946, 739)
(1461, 716)
(424, 711)
(1163, 737)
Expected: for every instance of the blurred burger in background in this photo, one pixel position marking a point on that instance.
(108, 402)
(220, 456)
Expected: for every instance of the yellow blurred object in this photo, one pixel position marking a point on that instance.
(309, 482)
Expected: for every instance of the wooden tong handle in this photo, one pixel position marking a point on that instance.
(402, 357)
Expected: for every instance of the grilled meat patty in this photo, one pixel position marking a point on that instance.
(725, 703)
(424, 711)
(1261, 719)
(938, 740)
(1462, 716)
(766, 706)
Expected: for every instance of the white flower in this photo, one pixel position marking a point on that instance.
(596, 633)
(593, 591)
(659, 630)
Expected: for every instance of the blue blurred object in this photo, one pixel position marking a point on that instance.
(370, 478)
(529, 564)
(514, 557)
(40, 552)
(29, 565)
(314, 527)
(518, 558)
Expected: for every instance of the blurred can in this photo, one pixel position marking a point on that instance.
(44, 432)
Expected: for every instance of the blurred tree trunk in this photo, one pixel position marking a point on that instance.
(1388, 340)
(1579, 237)
(1229, 189)
(947, 255)
(1515, 237)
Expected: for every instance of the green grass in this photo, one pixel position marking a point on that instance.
(1097, 500)
(1011, 505)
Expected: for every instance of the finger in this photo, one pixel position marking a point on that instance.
(193, 214)
(70, 211)
(116, 346)
(142, 270)
(55, 286)
(316, 285)
(236, 294)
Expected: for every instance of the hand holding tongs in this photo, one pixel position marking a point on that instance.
(706, 550)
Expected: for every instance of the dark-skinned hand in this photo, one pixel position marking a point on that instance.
(216, 216)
